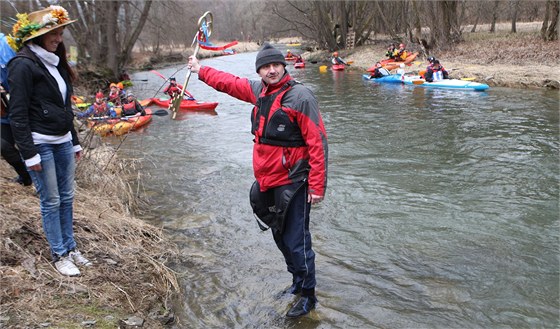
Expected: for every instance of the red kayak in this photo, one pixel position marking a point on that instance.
(299, 65)
(338, 67)
(187, 104)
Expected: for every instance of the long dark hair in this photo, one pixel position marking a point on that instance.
(61, 53)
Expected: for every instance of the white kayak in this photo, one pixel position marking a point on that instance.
(446, 83)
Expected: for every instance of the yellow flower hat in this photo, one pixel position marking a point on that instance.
(37, 23)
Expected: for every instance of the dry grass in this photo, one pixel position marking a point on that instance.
(129, 275)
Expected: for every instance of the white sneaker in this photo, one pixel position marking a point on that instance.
(79, 259)
(65, 266)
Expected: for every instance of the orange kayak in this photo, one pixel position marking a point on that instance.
(131, 123)
(392, 64)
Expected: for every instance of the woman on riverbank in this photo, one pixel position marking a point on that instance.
(42, 123)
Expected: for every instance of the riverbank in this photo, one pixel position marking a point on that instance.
(129, 282)
(500, 59)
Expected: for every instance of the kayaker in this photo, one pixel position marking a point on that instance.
(289, 54)
(379, 71)
(116, 95)
(174, 89)
(289, 160)
(400, 54)
(42, 122)
(435, 72)
(337, 60)
(391, 51)
(99, 108)
(132, 106)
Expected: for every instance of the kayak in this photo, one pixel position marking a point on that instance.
(131, 123)
(299, 65)
(293, 58)
(104, 126)
(187, 104)
(417, 80)
(409, 58)
(392, 64)
(392, 78)
(338, 67)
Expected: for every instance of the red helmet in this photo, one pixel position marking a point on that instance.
(99, 95)
(335, 53)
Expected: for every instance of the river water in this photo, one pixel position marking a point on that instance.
(442, 208)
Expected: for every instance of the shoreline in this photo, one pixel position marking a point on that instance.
(534, 76)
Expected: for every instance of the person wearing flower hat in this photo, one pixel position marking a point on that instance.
(42, 122)
(289, 161)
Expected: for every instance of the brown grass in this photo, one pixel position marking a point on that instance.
(129, 275)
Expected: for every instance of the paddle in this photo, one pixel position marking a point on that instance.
(159, 113)
(164, 78)
(206, 19)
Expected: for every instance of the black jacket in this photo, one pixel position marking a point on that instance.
(36, 104)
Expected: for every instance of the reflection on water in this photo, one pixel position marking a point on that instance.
(441, 211)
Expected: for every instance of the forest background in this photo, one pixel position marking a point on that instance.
(110, 34)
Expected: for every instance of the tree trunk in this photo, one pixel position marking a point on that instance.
(383, 18)
(514, 13)
(494, 16)
(552, 32)
(129, 44)
(113, 42)
(544, 26)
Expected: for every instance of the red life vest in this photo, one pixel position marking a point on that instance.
(99, 109)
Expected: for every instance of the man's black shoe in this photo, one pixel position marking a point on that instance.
(295, 288)
(303, 306)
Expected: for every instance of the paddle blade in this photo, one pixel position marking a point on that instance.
(417, 82)
(175, 105)
(467, 79)
(160, 113)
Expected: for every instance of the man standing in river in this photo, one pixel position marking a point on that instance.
(289, 160)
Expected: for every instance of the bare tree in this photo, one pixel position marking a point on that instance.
(514, 6)
(549, 30)
(494, 16)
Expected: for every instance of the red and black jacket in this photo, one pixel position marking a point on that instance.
(288, 128)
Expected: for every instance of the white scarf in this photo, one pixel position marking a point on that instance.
(50, 60)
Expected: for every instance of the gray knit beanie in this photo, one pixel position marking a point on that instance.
(267, 55)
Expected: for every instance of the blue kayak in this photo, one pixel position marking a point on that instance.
(393, 78)
(446, 83)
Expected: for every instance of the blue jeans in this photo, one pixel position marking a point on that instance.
(55, 185)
